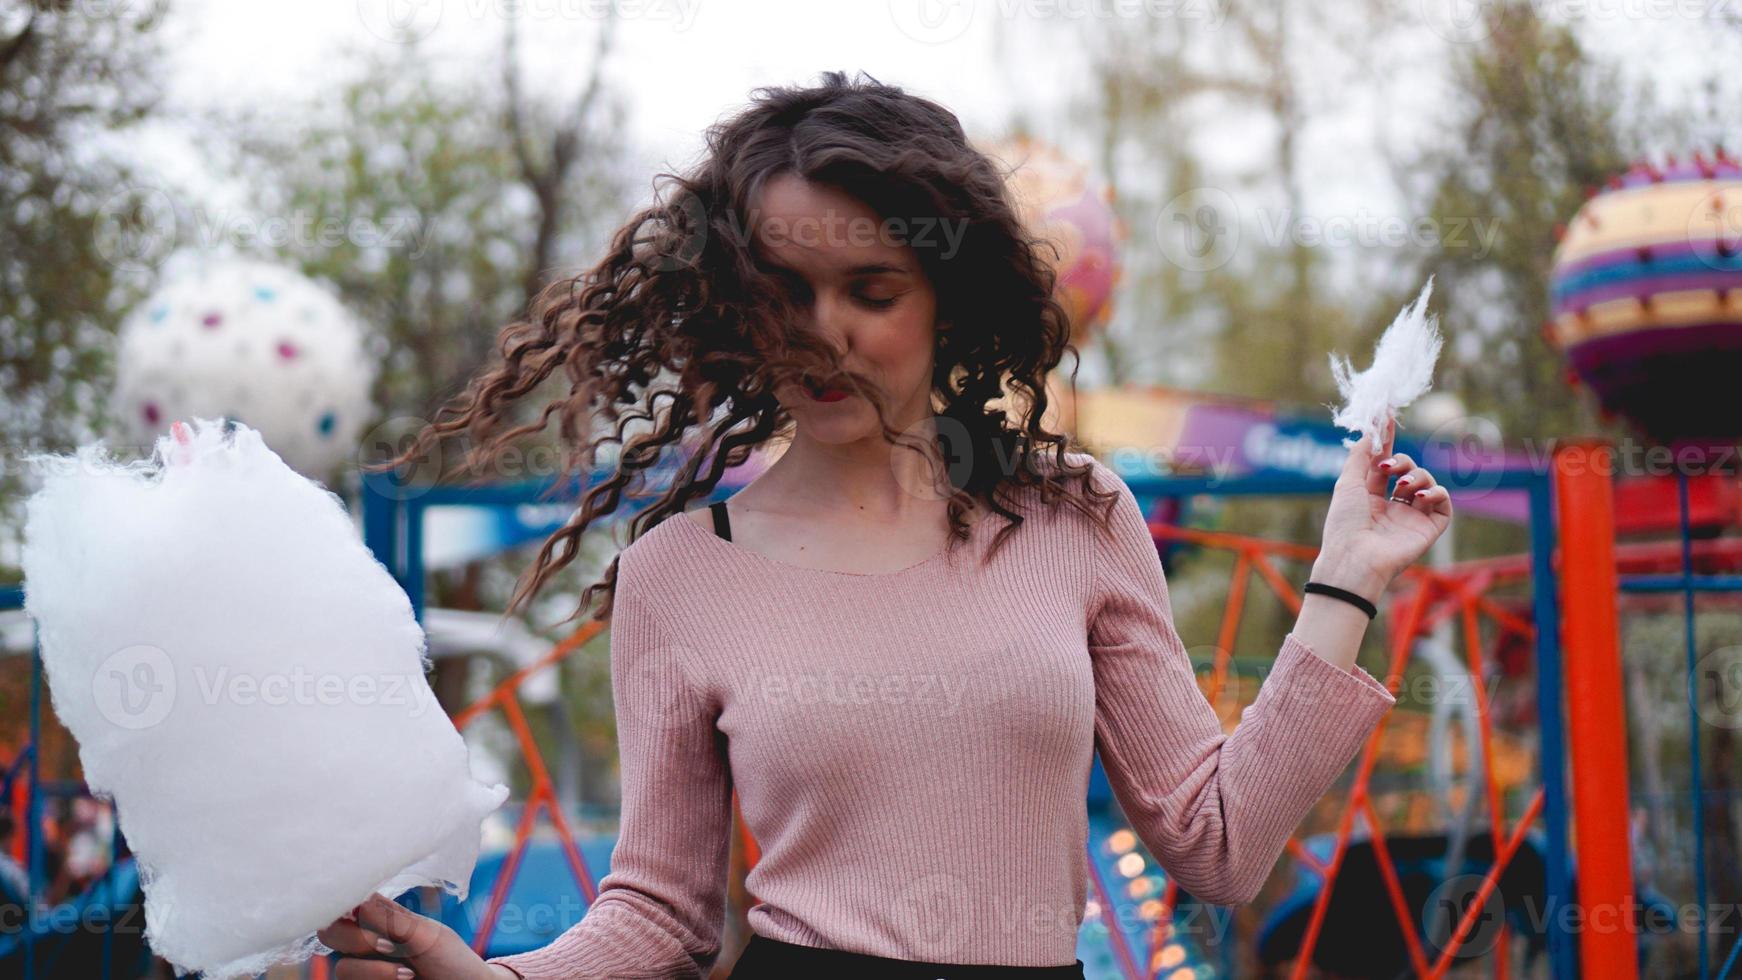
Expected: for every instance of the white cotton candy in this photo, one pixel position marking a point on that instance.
(247, 682)
(1402, 370)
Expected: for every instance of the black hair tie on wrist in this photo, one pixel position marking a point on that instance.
(1344, 594)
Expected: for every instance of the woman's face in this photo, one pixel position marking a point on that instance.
(858, 284)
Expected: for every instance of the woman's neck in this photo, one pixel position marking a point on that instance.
(871, 478)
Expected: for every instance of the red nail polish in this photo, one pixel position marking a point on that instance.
(1416, 494)
(1385, 465)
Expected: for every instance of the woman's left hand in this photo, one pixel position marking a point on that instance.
(1370, 535)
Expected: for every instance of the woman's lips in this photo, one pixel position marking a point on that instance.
(828, 394)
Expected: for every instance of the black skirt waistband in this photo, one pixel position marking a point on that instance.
(771, 959)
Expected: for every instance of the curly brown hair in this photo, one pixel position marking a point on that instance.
(681, 332)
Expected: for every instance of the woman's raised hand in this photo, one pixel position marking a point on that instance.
(1371, 535)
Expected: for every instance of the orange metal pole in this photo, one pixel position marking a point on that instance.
(1496, 807)
(1596, 719)
(1230, 624)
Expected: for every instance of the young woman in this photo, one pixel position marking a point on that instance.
(904, 641)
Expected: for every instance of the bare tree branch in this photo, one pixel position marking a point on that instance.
(547, 175)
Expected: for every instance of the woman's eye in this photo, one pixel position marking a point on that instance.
(878, 304)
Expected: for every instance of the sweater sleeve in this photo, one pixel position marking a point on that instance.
(1215, 809)
(660, 912)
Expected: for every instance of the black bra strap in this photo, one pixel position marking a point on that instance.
(722, 522)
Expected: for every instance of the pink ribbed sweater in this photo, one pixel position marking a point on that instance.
(911, 749)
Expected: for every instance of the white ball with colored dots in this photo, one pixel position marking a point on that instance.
(251, 342)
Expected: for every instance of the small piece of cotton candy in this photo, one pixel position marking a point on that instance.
(1402, 370)
(246, 682)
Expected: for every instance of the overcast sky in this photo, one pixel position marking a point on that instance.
(682, 64)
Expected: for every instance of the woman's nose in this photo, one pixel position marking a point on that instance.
(830, 325)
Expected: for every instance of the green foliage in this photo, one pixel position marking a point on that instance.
(1536, 126)
(67, 74)
(403, 193)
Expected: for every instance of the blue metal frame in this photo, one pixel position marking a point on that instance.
(1687, 583)
(12, 597)
(1551, 723)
